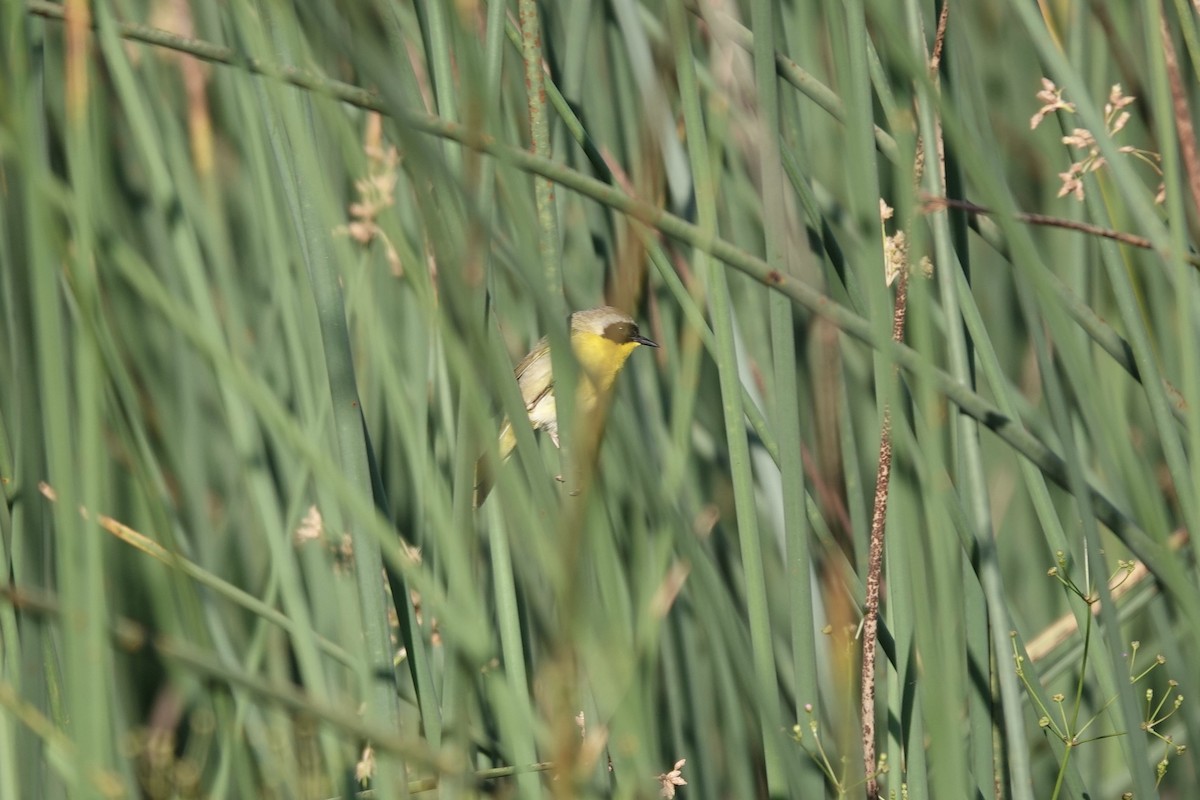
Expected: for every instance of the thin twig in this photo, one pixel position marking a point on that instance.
(870, 633)
(939, 39)
(883, 474)
(1183, 116)
(930, 204)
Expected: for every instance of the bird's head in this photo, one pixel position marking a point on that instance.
(603, 338)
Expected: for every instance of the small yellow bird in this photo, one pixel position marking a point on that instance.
(602, 339)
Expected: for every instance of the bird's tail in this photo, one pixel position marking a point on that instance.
(485, 473)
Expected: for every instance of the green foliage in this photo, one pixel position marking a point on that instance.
(263, 279)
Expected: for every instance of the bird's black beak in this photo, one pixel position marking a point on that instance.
(643, 340)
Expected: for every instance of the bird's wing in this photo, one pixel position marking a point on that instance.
(534, 375)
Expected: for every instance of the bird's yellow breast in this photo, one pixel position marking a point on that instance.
(600, 357)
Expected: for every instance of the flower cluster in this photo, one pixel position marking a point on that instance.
(895, 249)
(376, 193)
(670, 781)
(1084, 142)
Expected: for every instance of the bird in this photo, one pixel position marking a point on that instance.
(602, 339)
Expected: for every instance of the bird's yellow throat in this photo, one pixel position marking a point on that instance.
(600, 357)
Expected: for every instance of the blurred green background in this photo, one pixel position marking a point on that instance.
(265, 268)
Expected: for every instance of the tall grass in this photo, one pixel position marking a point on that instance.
(265, 269)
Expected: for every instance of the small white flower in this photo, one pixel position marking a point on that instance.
(670, 780)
